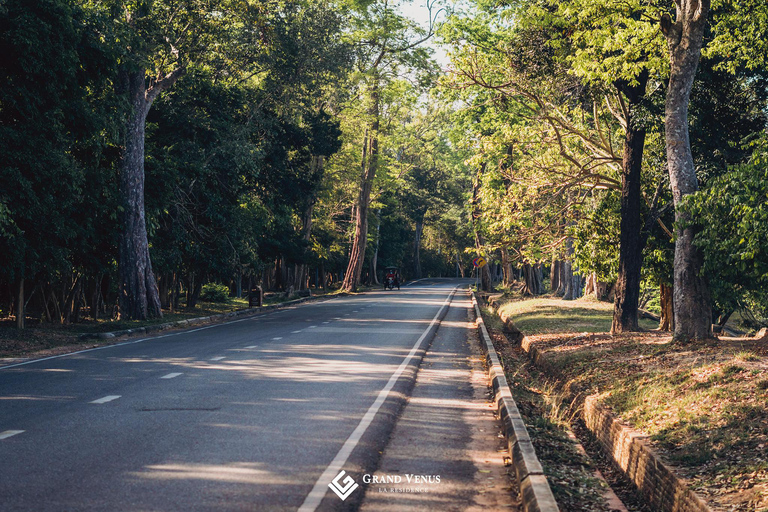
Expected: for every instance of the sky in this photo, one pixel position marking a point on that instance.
(417, 10)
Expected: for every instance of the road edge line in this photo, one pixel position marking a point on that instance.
(315, 497)
(207, 322)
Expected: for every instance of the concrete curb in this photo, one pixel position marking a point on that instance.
(203, 320)
(534, 489)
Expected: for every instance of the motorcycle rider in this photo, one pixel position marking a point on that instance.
(392, 274)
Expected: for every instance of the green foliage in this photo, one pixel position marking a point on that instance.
(214, 292)
(732, 218)
(57, 130)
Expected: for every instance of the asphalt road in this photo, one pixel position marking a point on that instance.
(249, 415)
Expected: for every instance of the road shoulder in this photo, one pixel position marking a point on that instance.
(447, 430)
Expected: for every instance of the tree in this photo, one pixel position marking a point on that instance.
(692, 306)
(387, 41)
(164, 39)
(56, 132)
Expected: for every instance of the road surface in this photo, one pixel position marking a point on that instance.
(247, 415)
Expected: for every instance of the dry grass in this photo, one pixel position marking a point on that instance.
(704, 405)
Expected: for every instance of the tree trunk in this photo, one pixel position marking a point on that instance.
(560, 290)
(554, 276)
(139, 297)
(566, 276)
(505, 267)
(590, 287)
(631, 238)
(375, 257)
(173, 303)
(693, 311)
(416, 246)
(193, 292)
(20, 313)
(539, 270)
(70, 303)
(97, 298)
(666, 323)
(369, 167)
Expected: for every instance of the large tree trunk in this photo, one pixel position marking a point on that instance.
(693, 311)
(506, 267)
(631, 240)
(370, 164)
(539, 271)
(532, 279)
(566, 277)
(139, 297)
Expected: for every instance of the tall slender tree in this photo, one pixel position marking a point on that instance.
(685, 36)
(388, 42)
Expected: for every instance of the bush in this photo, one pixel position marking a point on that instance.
(213, 292)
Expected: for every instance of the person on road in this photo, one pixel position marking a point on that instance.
(392, 274)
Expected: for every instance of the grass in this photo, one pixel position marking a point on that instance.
(547, 315)
(705, 406)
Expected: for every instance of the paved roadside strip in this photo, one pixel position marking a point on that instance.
(445, 452)
(359, 454)
(535, 492)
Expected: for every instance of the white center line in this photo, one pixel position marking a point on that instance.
(218, 358)
(294, 332)
(170, 375)
(9, 433)
(326, 322)
(278, 338)
(251, 346)
(106, 399)
(312, 326)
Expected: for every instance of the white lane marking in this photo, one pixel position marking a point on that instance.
(152, 338)
(9, 433)
(171, 375)
(278, 338)
(312, 326)
(106, 399)
(294, 332)
(337, 318)
(218, 358)
(251, 346)
(326, 322)
(317, 493)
